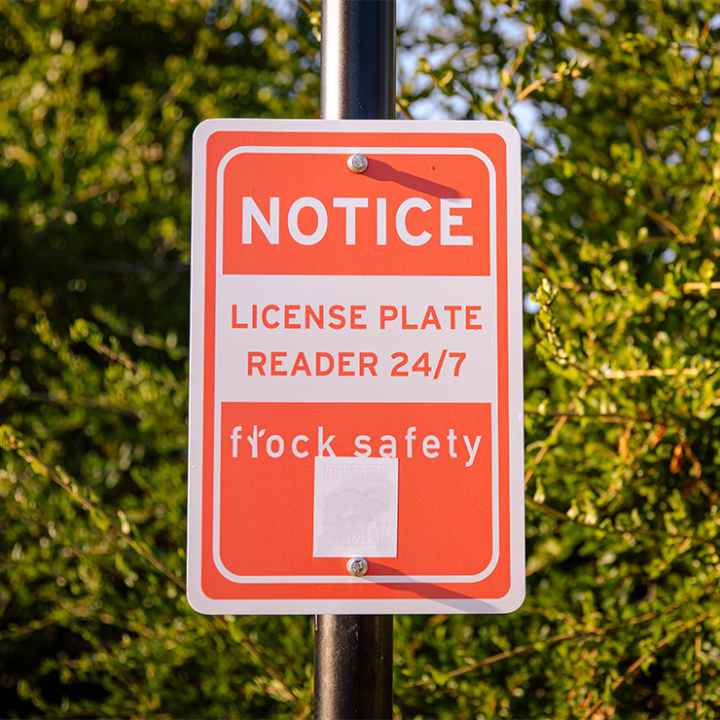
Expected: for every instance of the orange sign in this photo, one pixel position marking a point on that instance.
(356, 368)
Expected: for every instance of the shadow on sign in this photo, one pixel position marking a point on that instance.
(426, 590)
(379, 170)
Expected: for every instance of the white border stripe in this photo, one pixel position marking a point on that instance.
(219, 221)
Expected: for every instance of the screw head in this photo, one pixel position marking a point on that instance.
(357, 163)
(357, 566)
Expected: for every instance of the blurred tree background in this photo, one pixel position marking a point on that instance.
(618, 106)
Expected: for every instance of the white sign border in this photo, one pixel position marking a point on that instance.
(217, 494)
(513, 599)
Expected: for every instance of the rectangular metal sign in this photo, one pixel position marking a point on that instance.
(356, 368)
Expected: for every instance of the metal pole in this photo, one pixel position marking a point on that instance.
(353, 666)
(353, 653)
(358, 59)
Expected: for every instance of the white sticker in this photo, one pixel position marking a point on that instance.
(355, 507)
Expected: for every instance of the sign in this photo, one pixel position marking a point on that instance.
(356, 368)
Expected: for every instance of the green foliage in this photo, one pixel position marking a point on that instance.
(622, 181)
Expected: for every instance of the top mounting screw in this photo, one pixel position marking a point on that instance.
(357, 163)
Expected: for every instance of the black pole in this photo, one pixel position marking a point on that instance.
(358, 59)
(353, 653)
(353, 666)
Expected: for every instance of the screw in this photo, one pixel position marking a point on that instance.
(357, 566)
(357, 163)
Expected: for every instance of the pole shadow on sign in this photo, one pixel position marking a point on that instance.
(384, 172)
